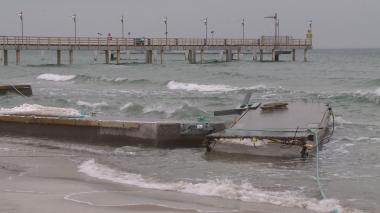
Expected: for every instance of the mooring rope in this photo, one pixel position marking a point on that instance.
(22, 94)
(317, 171)
(316, 139)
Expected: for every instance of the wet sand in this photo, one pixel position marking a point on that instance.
(45, 179)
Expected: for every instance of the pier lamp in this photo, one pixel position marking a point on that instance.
(74, 17)
(276, 25)
(243, 26)
(122, 26)
(166, 29)
(310, 25)
(22, 24)
(205, 22)
(99, 34)
(212, 34)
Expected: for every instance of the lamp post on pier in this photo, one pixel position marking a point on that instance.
(276, 26)
(122, 26)
(243, 26)
(74, 17)
(166, 29)
(99, 34)
(22, 24)
(205, 21)
(212, 34)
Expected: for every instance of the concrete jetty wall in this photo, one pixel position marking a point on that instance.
(109, 132)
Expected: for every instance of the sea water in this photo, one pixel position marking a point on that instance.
(348, 79)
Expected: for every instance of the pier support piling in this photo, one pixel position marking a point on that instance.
(5, 55)
(294, 55)
(228, 54)
(261, 55)
(118, 56)
(18, 56)
(192, 57)
(58, 57)
(305, 55)
(202, 55)
(238, 54)
(149, 56)
(71, 56)
(107, 55)
(162, 56)
(273, 55)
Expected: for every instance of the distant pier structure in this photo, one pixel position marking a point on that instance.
(192, 47)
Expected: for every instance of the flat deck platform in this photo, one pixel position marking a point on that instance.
(107, 131)
(295, 125)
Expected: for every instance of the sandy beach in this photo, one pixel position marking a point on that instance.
(46, 179)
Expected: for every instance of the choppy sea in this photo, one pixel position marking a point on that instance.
(348, 79)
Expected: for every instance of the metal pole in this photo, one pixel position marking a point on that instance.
(206, 28)
(275, 29)
(75, 27)
(243, 25)
(122, 26)
(166, 29)
(22, 25)
(99, 34)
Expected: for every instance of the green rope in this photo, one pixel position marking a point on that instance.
(271, 130)
(316, 139)
(317, 175)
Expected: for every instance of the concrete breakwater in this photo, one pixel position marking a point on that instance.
(109, 132)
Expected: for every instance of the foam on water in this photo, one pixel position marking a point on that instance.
(220, 188)
(174, 85)
(377, 91)
(340, 120)
(91, 105)
(126, 106)
(55, 77)
(163, 108)
(35, 109)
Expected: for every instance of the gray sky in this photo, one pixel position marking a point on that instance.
(336, 23)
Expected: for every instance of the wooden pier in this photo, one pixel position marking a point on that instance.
(275, 46)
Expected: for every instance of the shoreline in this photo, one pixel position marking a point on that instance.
(45, 179)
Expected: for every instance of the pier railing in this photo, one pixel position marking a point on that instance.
(56, 42)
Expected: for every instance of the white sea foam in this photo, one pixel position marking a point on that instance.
(369, 92)
(92, 105)
(340, 120)
(55, 77)
(174, 85)
(377, 91)
(35, 109)
(163, 108)
(221, 188)
(120, 79)
(126, 106)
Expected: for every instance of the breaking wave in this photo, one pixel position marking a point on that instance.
(88, 78)
(35, 109)
(91, 105)
(221, 188)
(56, 77)
(175, 85)
(369, 96)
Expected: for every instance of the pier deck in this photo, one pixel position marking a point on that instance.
(275, 45)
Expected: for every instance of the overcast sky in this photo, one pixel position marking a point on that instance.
(336, 23)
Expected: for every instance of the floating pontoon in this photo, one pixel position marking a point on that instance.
(274, 129)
